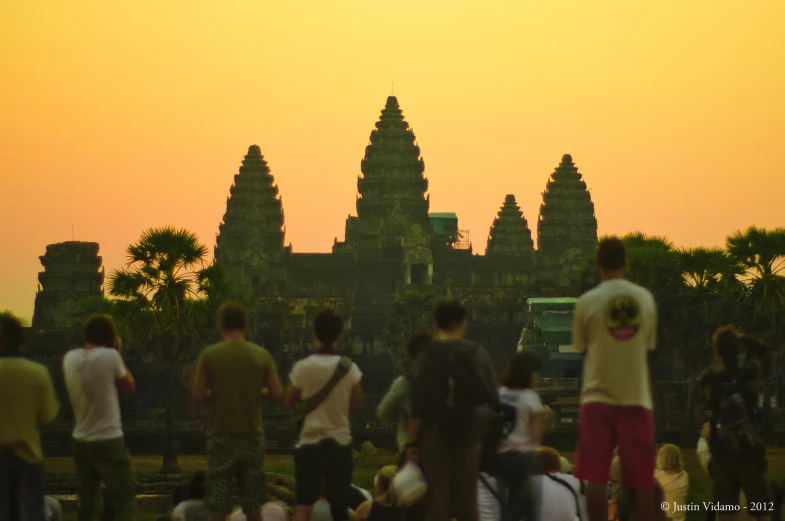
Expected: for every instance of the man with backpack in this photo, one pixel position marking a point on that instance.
(453, 395)
(323, 388)
(738, 451)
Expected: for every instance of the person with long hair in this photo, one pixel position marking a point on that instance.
(384, 506)
(737, 447)
(523, 411)
(675, 481)
(93, 375)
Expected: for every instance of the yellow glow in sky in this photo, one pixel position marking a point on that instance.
(116, 117)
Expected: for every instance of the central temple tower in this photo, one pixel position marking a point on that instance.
(391, 190)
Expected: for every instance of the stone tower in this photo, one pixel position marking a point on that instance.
(72, 272)
(250, 242)
(567, 228)
(392, 186)
(510, 234)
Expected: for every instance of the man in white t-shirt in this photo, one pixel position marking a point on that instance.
(323, 455)
(615, 327)
(92, 376)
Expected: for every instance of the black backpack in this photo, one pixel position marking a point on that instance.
(736, 432)
(461, 413)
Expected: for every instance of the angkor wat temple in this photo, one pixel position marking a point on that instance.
(393, 244)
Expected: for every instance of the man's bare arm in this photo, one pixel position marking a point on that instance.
(357, 400)
(292, 396)
(127, 384)
(274, 389)
(199, 387)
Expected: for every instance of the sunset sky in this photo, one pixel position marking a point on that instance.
(119, 116)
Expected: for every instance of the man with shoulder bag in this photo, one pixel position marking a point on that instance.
(323, 388)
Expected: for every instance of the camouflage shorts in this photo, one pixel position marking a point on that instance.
(239, 458)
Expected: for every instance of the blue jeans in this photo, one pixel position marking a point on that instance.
(515, 468)
(23, 480)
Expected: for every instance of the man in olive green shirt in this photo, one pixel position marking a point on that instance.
(236, 376)
(28, 402)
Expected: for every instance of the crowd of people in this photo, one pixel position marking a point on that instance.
(474, 438)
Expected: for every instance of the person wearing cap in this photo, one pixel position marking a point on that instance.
(523, 414)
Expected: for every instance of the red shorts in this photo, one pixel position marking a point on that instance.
(602, 428)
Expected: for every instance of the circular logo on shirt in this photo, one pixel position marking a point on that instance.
(623, 318)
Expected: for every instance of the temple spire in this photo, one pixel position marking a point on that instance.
(510, 234)
(392, 179)
(567, 219)
(252, 232)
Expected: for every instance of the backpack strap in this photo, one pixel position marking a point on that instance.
(572, 491)
(307, 406)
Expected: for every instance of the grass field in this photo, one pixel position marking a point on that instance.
(366, 467)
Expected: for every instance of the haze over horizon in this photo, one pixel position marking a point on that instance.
(120, 117)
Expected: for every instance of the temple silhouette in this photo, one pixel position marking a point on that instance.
(392, 246)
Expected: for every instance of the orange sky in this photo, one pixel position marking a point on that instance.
(119, 116)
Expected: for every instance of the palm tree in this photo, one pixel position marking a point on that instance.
(761, 253)
(167, 294)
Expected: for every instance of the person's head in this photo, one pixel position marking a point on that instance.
(99, 330)
(726, 342)
(706, 430)
(521, 371)
(12, 333)
(417, 342)
(669, 459)
(383, 489)
(274, 511)
(196, 488)
(327, 330)
(451, 318)
(546, 460)
(611, 259)
(232, 319)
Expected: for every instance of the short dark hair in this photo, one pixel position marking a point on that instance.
(233, 317)
(726, 341)
(449, 314)
(611, 255)
(546, 460)
(417, 343)
(196, 489)
(99, 330)
(12, 333)
(520, 370)
(327, 326)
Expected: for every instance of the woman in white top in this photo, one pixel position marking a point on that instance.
(674, 480)
(523, 411)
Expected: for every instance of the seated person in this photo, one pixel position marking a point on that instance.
(192, 508)
(673, 479)
(562, 497)
(385, 506)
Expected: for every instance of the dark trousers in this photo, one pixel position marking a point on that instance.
(104, 461)
(328, 464)
(514, 473)
(21, 488)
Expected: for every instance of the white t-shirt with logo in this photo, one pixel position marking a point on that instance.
(616, 326)
(523, 404)
(90, 377)
(557, 502)
(331, 418)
